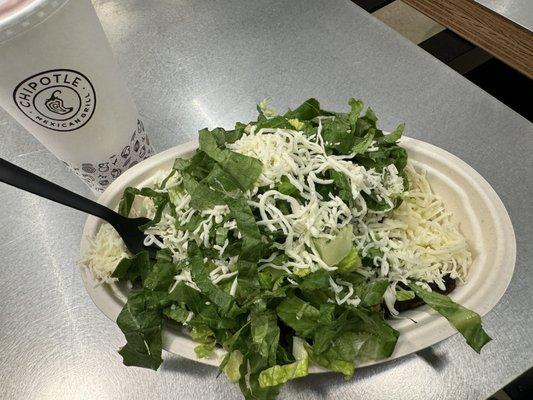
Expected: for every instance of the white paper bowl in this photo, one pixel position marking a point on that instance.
(482, 216)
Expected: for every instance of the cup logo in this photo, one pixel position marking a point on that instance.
(62, 100)
(55, 104)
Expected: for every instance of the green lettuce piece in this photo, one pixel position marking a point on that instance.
(315, 280)
(200, 276)
(331, 327)
(178, 314)
(337, 135)
(202, 196)
(307, 111)
(198, 167)
(186, 296)
(219, 134)
(371, 293)
(205, 350)
(374, 203)
(128, 197)
(392, 137)
(221, 234)
(333, 251)
(218, 179)
(250, 388)
(356, 108)
(265, 335)
(370, 118)
(252, 245)
(383, 157)
(252, 365)
(202, 334)
(243, 169)
(356, 336)
(160, 201)
(403, 295)
(284, 186)
(342, 185)
(204, 314)
(279, 374)
(361, 145)
(340, 355)
(277, 122)
(138, 266)
(161, 276)
(299, 315)
(382, 337)
(231, 369)
(466, 321)
(235, 134)
(140, 320)
(205, 336)
(350, 262)
(327, 311)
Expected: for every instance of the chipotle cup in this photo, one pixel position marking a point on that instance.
(60, 81)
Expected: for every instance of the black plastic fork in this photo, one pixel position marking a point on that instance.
(127, 228)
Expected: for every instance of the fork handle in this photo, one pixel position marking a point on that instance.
(20, 178)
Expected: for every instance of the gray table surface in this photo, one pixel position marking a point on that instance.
(190, 64)
(518, 11)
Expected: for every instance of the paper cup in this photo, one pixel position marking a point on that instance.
(59, 79)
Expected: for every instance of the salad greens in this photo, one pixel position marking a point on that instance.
(272, 320)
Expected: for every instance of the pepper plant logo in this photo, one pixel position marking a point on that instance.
(55, 104)
(62, 100)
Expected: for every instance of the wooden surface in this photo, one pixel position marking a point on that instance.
(511, 43)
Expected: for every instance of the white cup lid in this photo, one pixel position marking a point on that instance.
(17, 16)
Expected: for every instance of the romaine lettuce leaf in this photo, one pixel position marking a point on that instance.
(178, 314)
(160, 200)
(350, 262)
(340, 355)
(371, 293)
(200, 276)
(466, 321)
(206, 337)
(265, 335)
(299, 315)
(243, 169)
(140, 320)
(356, 106)
(138, 266)
(279, 374)
(252, 245)
(307, 111)
(161, 276)
(333, 251)
(403, 295)
(231, 368)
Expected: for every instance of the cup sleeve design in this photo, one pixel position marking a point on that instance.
(98, 175)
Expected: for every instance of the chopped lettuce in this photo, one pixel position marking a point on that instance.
(232, 287)
(242, 169)
(467, 322)
(350, 262)
(299, 315)
(233, 364)
(132, 268)
(140, 320)
(334, 251)
(279, 374)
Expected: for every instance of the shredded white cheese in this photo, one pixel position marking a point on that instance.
(303, 161)
(418, 240)
(105, 251)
